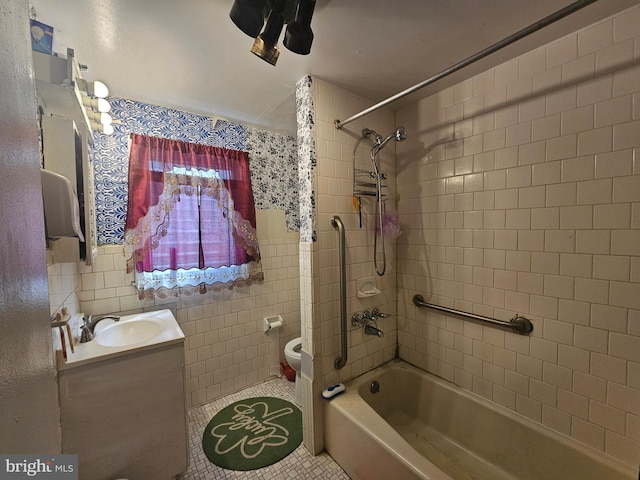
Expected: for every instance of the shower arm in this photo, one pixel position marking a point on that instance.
(534, 27)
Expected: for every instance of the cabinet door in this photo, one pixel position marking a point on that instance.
(66, 153)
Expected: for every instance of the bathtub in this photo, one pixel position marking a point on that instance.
(419, 426)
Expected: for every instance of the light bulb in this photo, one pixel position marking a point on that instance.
(99, 89)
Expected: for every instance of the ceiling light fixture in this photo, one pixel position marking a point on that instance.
(249, 16)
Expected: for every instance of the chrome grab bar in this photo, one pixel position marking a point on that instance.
(518, 323)
(341, 361)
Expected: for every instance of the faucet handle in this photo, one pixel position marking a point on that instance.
(378, 314)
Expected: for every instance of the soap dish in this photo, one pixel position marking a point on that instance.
(367, 287)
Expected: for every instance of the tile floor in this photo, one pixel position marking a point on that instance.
(299, 465)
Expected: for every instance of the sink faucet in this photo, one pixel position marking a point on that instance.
(90, 322)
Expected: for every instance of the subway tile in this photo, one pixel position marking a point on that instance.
(589, 386)
(600, 140)
(596, 37)
(531, 240)
(519, 177)
(595, 90)
(532, 153)
(590, 290)
(576, 218)
(593, 241)
(518, 261)
(560, 241)
(519, 219)
(574, 312)
(625, 294)
(506, 239)
(625, 135)
(626, 81)
(543, 392)
(559, 287)
(615, 57)
(575, 359)
(545, 218)
(543, 306)
(625, 398)
(615, 111)
(518, 134)
(547, 173)
(609, 368)
(564, 147)
(506, 198)
(556, 419)
(561, 100)
(613, 319)
(626, 189)
(545, 128)
(577, 120)
(586, 432)
(516, 301)
(561, 195)
(609, 267)
(625, 242)
(545, 262)
(530, 282)
(562, 51)
(506, 157)
(558, 331)
(626, 25)
(572, 403)
(612, 217)
(621, 447)
(494, 140)
(614, 164)
(624, 346)
(594, 191)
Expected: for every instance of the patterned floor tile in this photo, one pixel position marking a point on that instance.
(299, 465)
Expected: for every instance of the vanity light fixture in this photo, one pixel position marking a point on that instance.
(249, 16)
(106, 129)
(98, 89)
(100, 117)
(98, 104)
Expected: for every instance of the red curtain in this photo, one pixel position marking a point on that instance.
(194, 226)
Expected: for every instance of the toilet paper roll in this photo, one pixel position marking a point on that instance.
(272, 323)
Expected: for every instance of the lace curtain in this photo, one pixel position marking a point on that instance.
(190, 218)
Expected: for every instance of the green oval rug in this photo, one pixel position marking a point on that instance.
(252, 433)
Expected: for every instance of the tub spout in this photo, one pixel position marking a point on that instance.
(371, 330)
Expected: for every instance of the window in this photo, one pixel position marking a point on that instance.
(190, 218)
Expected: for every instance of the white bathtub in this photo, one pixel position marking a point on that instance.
(421, 427)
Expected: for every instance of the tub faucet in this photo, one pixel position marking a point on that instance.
(90, 322)
(371, 330)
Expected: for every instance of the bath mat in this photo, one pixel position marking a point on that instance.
(252, 433)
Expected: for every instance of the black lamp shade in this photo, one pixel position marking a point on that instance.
(299, 36)
(248, 16)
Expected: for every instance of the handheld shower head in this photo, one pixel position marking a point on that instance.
(400, 135)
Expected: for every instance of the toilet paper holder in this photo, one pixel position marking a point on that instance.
(272, 323)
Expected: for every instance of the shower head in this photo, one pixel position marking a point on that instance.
(400, 135)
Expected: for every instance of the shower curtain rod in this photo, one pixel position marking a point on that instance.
(534, 27)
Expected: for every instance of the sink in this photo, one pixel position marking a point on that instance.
(130, 332)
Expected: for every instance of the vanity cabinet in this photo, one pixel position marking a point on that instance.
(125, 417)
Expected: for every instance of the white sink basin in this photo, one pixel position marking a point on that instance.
(130, 332)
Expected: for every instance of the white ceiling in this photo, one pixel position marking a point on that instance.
(189, 55)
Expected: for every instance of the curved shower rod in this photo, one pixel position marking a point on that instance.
(534, 27)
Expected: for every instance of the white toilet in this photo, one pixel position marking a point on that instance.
(292, 352)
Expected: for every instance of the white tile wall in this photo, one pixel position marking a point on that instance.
(226, 347)
(334, 197)
(552, 233)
